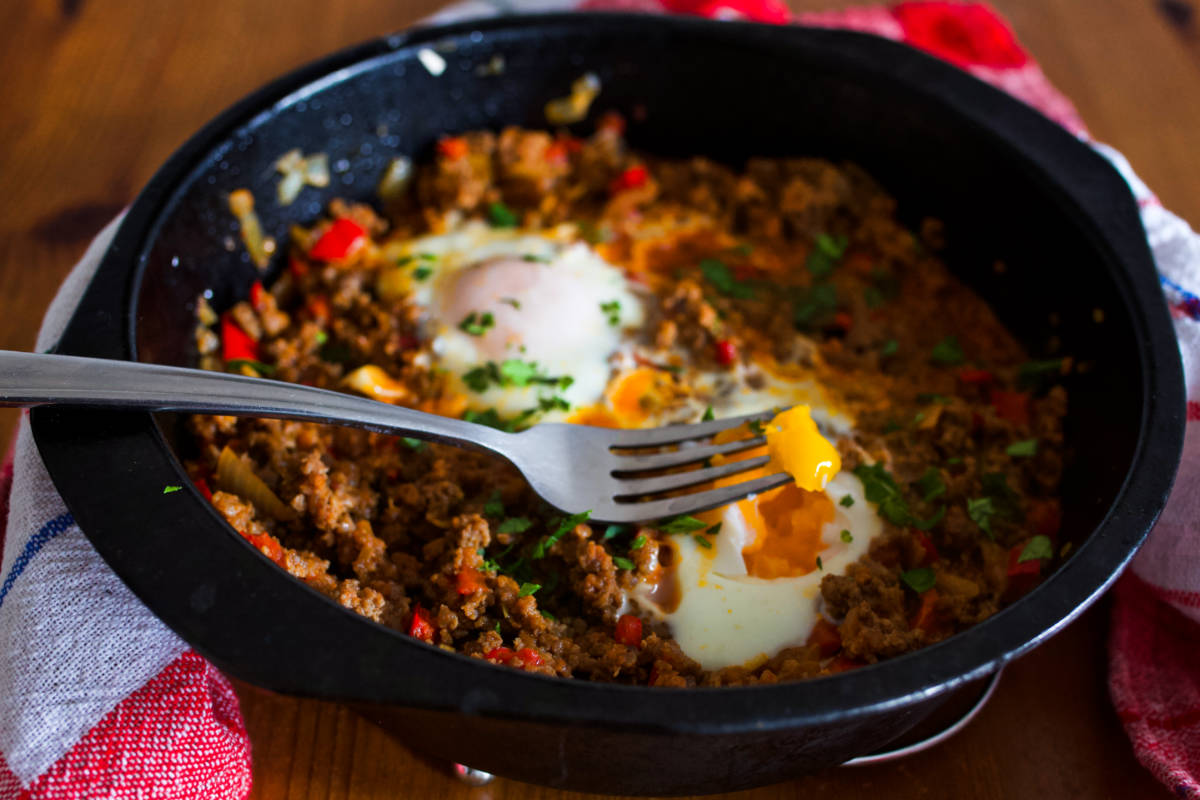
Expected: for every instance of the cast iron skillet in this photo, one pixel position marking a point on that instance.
(1010, 185)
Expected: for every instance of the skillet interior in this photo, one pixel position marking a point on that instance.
(1009, 184)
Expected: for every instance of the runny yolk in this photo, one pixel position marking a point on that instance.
(633, 399)
(786, 522)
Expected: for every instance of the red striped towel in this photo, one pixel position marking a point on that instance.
(99, 699)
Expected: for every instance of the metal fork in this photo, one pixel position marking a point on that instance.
(617, 475)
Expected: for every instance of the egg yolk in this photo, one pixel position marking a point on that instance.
(798, 448)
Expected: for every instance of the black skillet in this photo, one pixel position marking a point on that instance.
(1010, 185)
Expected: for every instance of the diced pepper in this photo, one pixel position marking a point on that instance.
(1016, 567)
(529, 657)
(501, 654)
(266, 544)
(297, 268)
(469, 581)
(236, 343)
(556, 152)
(844, 664)
(931, 553)
(1046, 517)
(975, 376)
(629, 631)
(318, 307)
(421, 625)
(726, 352)
(926, 617)
(825, 637)
(1012, 406)
(343, 238)
(843, 320)
(452, 148)
(202, 485)
(256, 295)
(634, 177)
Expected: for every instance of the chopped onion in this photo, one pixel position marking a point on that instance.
(316, 170)
(241, 203)
(493, 66)
(574, 107)
(396, 178)
(373, 382)
(235, 475)
(297, 171)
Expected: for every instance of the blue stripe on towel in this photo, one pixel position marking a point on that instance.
(36, 542)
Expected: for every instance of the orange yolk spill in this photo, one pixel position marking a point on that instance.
(786, 522)
(632, 400)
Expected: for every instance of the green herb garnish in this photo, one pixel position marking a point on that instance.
(171, 488)
(981, 510)
(494, 507)
(714, 530)
(322, 337)
(528, 589)
(920, 579)
(535, 258)
(564, 526)
(820, 566)
(721, 277)
(825, 255)
(930, 484)
(700, 540)
(476, 323)
(612, 531)
(948, 352)
(623, 563)
(814, 306)
(880, 487)
(515, 525)
(547, 615)
(890, 347)
(421, 273)
(846, 501)
(639, 542)
(612, 309)
(257, 366)
(708, 415)
(680, 524)
(1023, 448)
(1037, 548)
(512, 372)
(511, 301)
(413, 444)
(847, 537)
(501, 216)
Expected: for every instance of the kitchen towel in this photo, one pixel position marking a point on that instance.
(99, 699)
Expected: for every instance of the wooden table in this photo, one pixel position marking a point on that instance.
(96, 95)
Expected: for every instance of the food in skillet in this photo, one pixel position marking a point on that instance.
(526, 276)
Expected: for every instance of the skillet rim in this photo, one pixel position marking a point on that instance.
(1067, 166)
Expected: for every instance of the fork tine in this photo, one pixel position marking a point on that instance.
(673, 434)
(680, 480)
(691, 503)
(687, 455)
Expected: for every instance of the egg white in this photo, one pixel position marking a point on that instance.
(727, 618)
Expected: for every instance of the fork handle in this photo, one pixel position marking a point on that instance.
(33, 379)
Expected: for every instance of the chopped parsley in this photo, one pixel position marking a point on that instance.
(1025, 447)
(846, 501)
(501, 216)
(920, 579)
(515, 525)
(613, 531)
(639, 542)
(708, 415)
(890, 348)
(491, 418)
(612, 310)
(847, 537)
(714, 530)
(681, 524)
(880, 487)
(494, 507)
(564, 526)
(511, 301)
(476, 323)
(547, 615)
(528, 589)
(1031, 373)
(952, 461)
(413, 444)
(930, 397)
(422, 272)
(814, 306)
(826, 253)
(930, 484)
(512, 372)
(757, 427)
(948, 352)
(322, 337)
(700, 540)
(535, 258)
(257, 366)
(171, 488)
(820, 566)
(1038, 548)
(873, 296)
(981, 510)
(623, 563)
(742, 249)
(721, 277)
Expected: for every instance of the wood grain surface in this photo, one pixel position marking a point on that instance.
(97, 94)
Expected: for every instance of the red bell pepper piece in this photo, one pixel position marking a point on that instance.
(926, 616)
(297, 268)
(343, 238)
(266, 544)
(975, 376)
(452, 148)
(629, 631)
(1016, 567)
(1046, 517)
(633, 178)
(844, 663)
(843, 320)
(256, 295)
(726, 352)
(931, 553)
(202, 485)
(421, 626)
(501, 654)
(1012, 406)
(529, 657)
(469, 581)
(236, 343)
(825, 637)
(318, 307)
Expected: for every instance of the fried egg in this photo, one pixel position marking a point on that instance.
(546, 312)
